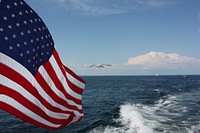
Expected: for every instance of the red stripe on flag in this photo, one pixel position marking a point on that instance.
(16, 77)
(25, 118)
(26, 103)
(71, 85)
(57, 99)
(73, 74)
(66, 69)
(74, 87)
(22, 116)
(58, 84)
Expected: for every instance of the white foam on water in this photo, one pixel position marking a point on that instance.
(131, 120)
(108, 129)
(157, 118)
(132, 116)
(194, 129)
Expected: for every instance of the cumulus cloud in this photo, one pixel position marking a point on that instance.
(160, 60)
(109, 6)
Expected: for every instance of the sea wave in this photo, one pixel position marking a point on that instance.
(161, 117)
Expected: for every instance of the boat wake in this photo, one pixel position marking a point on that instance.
(165, 116)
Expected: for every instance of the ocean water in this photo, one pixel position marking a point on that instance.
(130, 104)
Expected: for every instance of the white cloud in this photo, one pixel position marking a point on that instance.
(108, 6)
(88, 6)
(152, 3)
(160, 60)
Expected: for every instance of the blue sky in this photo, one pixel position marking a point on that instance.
(138, 37)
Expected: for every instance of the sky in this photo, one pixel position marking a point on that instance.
(136, 37)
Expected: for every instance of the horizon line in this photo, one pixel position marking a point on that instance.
(146, 75)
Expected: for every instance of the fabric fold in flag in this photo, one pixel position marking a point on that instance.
(34, 84)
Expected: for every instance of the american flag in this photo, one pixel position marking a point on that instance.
(34, 84)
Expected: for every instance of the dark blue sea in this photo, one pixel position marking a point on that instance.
(130, 104)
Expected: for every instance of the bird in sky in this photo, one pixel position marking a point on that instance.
(100, 65)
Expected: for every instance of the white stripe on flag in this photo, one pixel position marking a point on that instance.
(61, 77)
(26, 74)
(10, 101)
(18, 88)
(75, 81)
(55, 90)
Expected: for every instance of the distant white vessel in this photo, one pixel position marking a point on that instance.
(157, 75)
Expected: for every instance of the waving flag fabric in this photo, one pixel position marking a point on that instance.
(34, 84)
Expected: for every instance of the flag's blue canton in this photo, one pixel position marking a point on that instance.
(23, 35)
